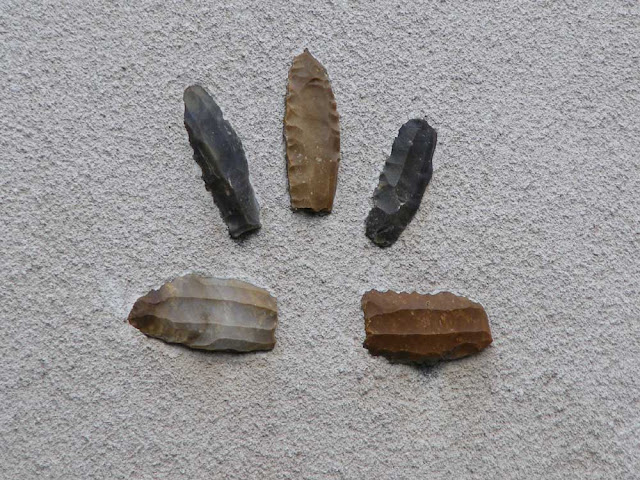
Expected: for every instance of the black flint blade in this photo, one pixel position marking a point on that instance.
(219, 152)
(404, 178)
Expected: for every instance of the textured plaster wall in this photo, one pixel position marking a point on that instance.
(533, 210)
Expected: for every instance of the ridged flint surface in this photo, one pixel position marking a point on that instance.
(209, 314)
(423, 328)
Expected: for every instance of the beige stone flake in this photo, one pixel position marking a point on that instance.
(312, 132)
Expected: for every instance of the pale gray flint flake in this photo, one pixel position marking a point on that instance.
(209, 314)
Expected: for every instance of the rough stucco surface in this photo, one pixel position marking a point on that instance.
(533, 211)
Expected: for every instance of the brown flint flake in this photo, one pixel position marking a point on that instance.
(208, 314)
(312, 132)
(423, 328)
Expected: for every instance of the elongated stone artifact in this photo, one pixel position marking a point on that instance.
(419, 328)
(208, 314)
(312, 132)
(405, 177)
(218, 151)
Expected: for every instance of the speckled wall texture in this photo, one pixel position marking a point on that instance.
(533, 211)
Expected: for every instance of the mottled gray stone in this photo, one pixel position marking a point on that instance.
(208, 314)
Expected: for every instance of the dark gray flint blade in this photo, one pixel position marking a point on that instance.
(403, 180)
(218, 151)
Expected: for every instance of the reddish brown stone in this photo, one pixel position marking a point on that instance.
(424, 328)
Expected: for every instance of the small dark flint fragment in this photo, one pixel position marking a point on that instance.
(404, 178)
(219, 152)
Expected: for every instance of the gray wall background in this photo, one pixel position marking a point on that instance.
(532, 210)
